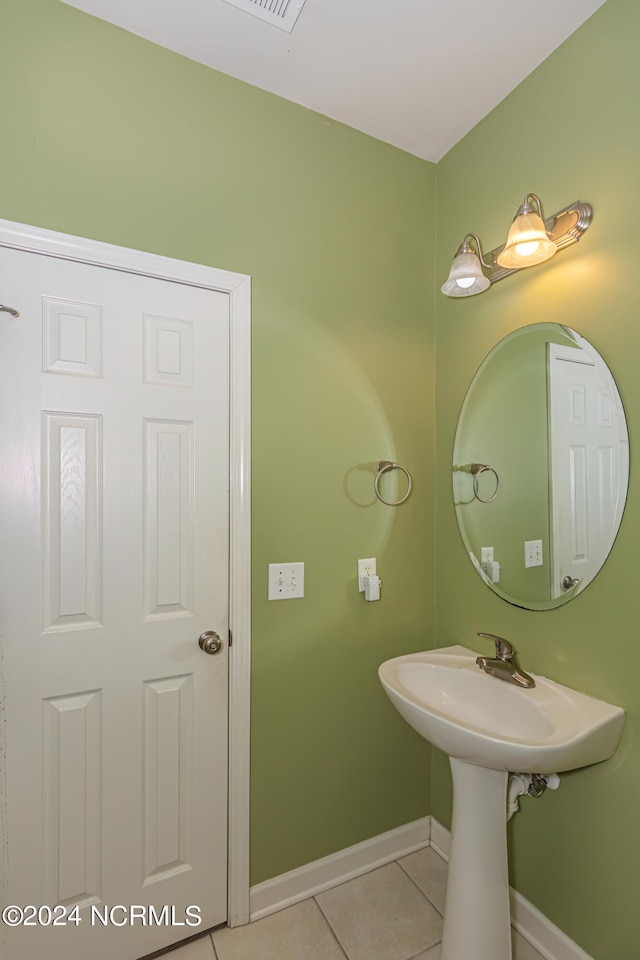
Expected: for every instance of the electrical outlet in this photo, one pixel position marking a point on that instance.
(486, 555)
(533, 553)
(286, 581)
(365, 567)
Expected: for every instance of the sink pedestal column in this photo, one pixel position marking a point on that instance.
(477, 923)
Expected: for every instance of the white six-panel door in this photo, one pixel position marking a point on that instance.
(114, 428)
(589, 456)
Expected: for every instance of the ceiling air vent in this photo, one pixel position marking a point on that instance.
(281, 13)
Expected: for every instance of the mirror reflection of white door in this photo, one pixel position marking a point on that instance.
(589, 458)
(115, 532)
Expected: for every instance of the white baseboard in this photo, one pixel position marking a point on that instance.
(541, 933)
(440, 839)
(312, 878)
(548, 939)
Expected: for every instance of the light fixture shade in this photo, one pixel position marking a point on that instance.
(527, 243)
(465, 277)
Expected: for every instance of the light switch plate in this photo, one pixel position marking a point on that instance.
(533, 553)
(286, 581)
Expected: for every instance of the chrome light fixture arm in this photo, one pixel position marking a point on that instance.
(527, 208)
(465, 247)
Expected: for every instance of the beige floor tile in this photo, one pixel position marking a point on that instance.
(429, 871)
(298, 933)
(432, 954)
(522, 949)
(381, 916)
(200, 949)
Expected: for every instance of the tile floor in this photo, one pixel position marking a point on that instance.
(391, 913)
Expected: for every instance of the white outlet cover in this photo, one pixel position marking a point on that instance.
(365, 567)
(286, 581)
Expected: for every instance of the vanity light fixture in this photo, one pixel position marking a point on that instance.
(466, 276)
(528, 242)
(531, 240)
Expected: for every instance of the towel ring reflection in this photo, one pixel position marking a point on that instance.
(476, 469)
(383, 466)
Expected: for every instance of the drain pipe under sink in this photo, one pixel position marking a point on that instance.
(528, 784)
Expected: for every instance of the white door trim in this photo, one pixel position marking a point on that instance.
(238, 286)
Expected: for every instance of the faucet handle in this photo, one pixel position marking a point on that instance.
(504, 650)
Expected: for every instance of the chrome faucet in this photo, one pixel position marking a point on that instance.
(504, 665)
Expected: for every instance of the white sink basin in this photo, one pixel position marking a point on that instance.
(477, 718)
(490, 728)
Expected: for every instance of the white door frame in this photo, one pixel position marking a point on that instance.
(238, 286)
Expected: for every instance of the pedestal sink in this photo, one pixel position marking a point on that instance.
(490, 728)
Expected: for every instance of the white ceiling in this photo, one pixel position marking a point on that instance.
(418, 74)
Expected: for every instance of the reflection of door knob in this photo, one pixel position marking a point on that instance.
(568, 582)
(210, 642)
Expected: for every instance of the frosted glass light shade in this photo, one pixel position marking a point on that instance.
(465, 277)
(527, 243)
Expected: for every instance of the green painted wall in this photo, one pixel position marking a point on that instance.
(107, 136)
(569, 132)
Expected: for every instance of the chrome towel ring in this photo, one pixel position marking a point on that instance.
(383, 466)
(476, 469)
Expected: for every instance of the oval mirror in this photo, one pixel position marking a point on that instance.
(540, 466)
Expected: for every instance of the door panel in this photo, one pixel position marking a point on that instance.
(589, 455)
(114, 511)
